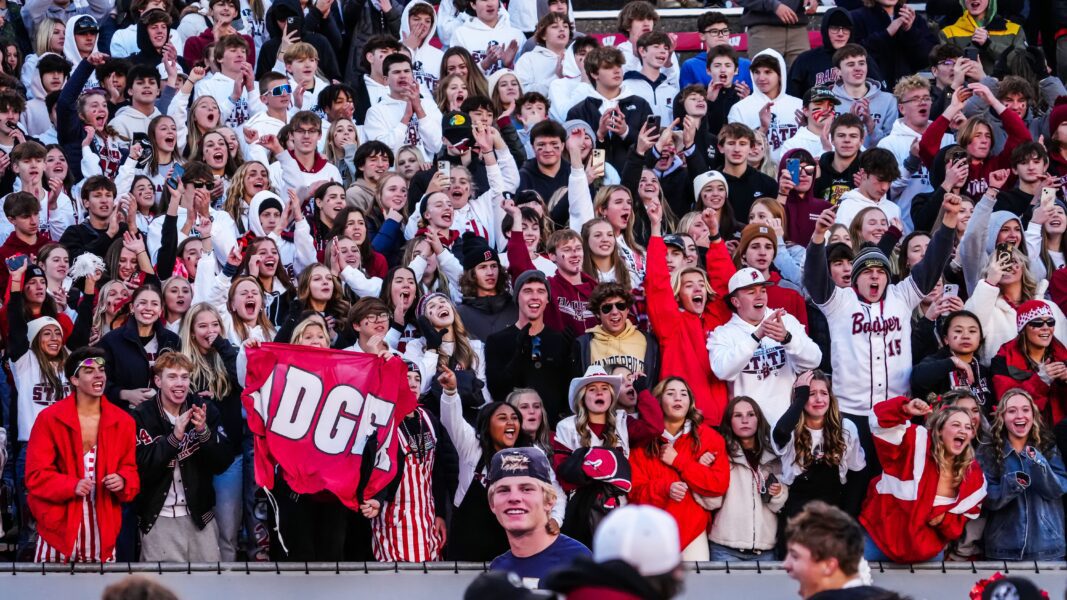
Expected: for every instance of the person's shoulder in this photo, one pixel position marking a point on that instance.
(504, 562)
(569, 546)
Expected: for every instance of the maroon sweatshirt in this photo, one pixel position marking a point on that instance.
(568, 307)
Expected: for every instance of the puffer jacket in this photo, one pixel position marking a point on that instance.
(1004, 35)
(486, 315)
(997, 318)
(1011, 369)
(1023, 507)
(745, 521)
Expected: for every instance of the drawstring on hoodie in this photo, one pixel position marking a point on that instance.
(277, 518)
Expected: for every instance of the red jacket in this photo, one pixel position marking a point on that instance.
(683, 336)
(900, 501)
(977, 178)
(652, 479)
(787, 298)
(54, 467)
(1010, 370)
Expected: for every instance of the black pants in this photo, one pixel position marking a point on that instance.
(313, 528)
(856, 488)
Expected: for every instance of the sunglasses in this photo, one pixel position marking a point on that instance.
(95, 361)
(619, 306)
(280, 90)
(200, 185)
(1039, 323)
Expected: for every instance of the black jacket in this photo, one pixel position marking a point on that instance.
(634, 108)
(487, 315)
(931, 376)
(897, 55)
(831, 184)
(532, 178)
(268, 54)
(83, 237)
(744, 190)
(511, 361)
(127, 363)
(199, 457)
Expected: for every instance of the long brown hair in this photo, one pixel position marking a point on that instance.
(763, 427)
(618, 265)
(1039, 436)
(462, 352)
(239, 326)
(692, 415)
(235, 204)
(958, 464)
(50, 367)
(833, 432)
(337, 306)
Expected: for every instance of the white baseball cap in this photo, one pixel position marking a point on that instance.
(643, 536)
(746, 277)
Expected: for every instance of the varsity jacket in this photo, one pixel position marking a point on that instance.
(652, 478)
(900, 501)
(198, 457)
(763, 369)
(877, 334)
(54, 466)
(683, 335)
(747, 520)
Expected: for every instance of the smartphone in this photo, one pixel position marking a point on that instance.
(793, 166)
(599, 158)
(1005, 251)
(292, 25)
(172, 181)
(653, 121)
(16, 262)
(1048, 195)
(970, 53)
(955, 155)
(951, 290)
(445, 167)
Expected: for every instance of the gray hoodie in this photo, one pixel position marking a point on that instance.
(883, 107)
(980, 239)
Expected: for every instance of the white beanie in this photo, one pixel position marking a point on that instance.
(704, 179)
(35, 326)
(496, 76)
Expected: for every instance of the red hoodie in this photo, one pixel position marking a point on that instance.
(787, 298)
(900, 501)
(683, 336)
(568, 307)
(54, 467)
(652, 479)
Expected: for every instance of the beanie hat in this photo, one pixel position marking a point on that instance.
(420, 310)
(1030, 310)
(496, 77)
(868, 257)
(704, 179)
(1058, 114)
(756, 230)
(573, 124)
(645, 537)
(528, 276)
(476, 250)
(270, 202)
(33, 271)
(35, 326)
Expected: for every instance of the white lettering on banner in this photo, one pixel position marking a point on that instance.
(346, 415)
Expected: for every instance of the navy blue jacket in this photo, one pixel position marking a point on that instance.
(898, 55)
(634, 108)
(127, 363)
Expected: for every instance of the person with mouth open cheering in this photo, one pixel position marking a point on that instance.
(80, 467)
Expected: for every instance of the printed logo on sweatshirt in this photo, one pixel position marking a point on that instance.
(877, 325)
(42, 394)
(576, 309)
(779, 132)
(766, 362)
(826, 78)
(424, 77)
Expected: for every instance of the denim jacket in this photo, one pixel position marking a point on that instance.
(1024, 520)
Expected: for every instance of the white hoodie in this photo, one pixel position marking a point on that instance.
(70, 51)
(910, 183)
(853, 201)
(232, 114)
(426, 60)
(35, 119)
(128, 121)
(536, 70)
(384, 124)
(783, 113)
(566, 92)
(124, 42)
(297, 254)
(448, 21)
(476, 36)
(765, 370)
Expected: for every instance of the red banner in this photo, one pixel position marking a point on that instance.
(318, 414)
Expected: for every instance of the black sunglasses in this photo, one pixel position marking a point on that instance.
(620, 306)
(200, 185)
(1038, 323)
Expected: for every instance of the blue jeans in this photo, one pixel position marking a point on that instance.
(229, 503)
(872, 552)
(720, 553)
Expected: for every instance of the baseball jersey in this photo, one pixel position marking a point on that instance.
(872, 345)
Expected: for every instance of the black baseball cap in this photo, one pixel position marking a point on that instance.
(456, 127)
(520, 462)
(86, 24)
(673, 239)
(819, 94)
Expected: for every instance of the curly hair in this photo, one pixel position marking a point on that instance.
(958, 464)
(1039, 437)
(833, 432)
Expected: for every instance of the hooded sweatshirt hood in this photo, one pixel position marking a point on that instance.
(990, 14)
(834, 16)
(287, 7)
(70, 47)
(782, 71)
(996, 221)
(254, 223)
(405, 27)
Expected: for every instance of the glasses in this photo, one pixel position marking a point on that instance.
(378, 318)
(838, 29)
(947, 63)
(280, 90)
(605, 309)
(95, 361)
(1039, 323)
(717, 32)
(920, 100)
(808, 169)
(306, 132)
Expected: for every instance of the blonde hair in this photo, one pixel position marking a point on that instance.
(209, 371)
(600, 203)
(310, 321)
(581, 420)
(42, 38)
(956, 465)
(235, 204)
(676, 281)
(300, 51)
(331, 152)
(909, 83)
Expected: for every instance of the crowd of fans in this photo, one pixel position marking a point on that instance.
(725, 287)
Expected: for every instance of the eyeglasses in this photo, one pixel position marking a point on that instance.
(378, 318)
(94, 361)
(808, 169)
(947, 63)
(838, 29)
(920, 100)
(306, 132)
(280, 90)
(717, 32)
(605, 309)
(1039, 323)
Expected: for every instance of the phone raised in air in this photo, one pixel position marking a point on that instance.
(653, 121)
(175, 175)
(793, 166)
